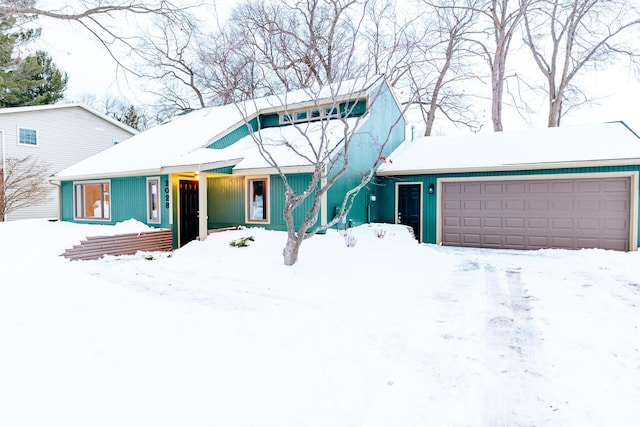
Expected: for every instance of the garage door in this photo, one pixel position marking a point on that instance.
(534, 214)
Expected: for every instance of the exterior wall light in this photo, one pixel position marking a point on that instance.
(431, 189)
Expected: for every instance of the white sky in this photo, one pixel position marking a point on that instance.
(92, 72)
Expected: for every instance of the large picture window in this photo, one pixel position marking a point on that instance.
(257, 204)
(153, 200)
(92, 200)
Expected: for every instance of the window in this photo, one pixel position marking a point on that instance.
(257, 206)
(153, 200)
(301, 115)
(92, 200)
(27, 136)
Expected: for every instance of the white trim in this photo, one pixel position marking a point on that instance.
(273, 171)
(397, 198)
(75, 207)
(202, 207)
(12, 110)
(266, 206)
(169, 187)
(159, 200)
(633, 202)
(22, 144)
(516, 167)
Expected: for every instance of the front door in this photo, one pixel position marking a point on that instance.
(409, 207)
(188, 211)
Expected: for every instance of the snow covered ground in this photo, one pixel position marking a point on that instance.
(387, 333)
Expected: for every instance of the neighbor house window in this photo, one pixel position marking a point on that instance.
(27, 136)
(92, 200)
(153, 200)
(257, 203)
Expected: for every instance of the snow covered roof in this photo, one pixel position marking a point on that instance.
(14, 110)
(569, 146)
(179, 145)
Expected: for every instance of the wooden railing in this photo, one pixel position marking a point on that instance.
(95, 247)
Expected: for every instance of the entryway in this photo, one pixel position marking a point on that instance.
(188, 211)
(409, 202)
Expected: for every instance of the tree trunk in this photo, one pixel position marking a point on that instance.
(291, 249)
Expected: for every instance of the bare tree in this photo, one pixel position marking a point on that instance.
(303, 42)
(313, 45)
(22, 184)
(326, 145)
(499, 22)
(101, 18)
(567, 37)
(442, 62)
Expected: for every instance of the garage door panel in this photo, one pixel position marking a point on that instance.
(611, 225)
(538, 187)
(616, 244)
(616, 206)
(493, 240)
(592, 224)
(564, 186)
(472, 205)
(493, 205)
(474, 221)
(514, 240)
(471, 239)
(588, 186)
(538, 223)
(621, 185)
(492, 188)
(493, 222)
(514, 205)
(562, 205)
(514, 187)
(539, 205)
(538, 213)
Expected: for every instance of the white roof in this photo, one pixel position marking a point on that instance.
(15, 110)
(180, 144)
(570, 146)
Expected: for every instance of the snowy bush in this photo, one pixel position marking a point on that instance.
(241, 242)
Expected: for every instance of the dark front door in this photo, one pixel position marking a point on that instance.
(188, 211)
(409, 207)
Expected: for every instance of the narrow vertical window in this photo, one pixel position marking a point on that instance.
(92, 200)
(257, 204)
(153, 200)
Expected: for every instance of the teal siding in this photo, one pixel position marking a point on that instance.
(365, 146)
(228, 170)
(429, 201)
(269, 120)
(128, 198)
(225, 201)
(226, 205)
(234, 135)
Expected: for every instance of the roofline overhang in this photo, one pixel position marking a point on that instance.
(514, 167)
(165, 170)
(274, 171)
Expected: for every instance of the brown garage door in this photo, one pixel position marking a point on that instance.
(540, 213)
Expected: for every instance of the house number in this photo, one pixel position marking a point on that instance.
(166, 194)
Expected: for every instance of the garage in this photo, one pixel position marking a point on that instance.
(567, 187)
(537, 213)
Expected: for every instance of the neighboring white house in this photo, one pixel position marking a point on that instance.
(59, 134)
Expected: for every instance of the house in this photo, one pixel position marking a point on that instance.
(207, 161)
(566, 187)
(60, 135)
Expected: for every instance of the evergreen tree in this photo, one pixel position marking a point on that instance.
(129, 117)
(30, 80)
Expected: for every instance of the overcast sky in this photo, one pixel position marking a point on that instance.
(92, 71)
